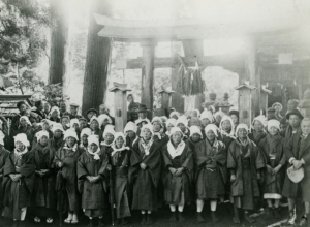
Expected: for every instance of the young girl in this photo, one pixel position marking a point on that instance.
(66, 159)
(170, 123)
(92, 182)
(57, 141)
(206, 118)
(273, 148)
(19, 174)
(178, 164)
(145, 166)
(245, 164)
(118, 162)
(182, 123)
(130, 132)
(44, 195)
(211, 173)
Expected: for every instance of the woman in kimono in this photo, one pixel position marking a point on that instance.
(194, 138)
(25, 127)
(44, 194)
(55, 114)
(273, 148)
(3, 156)
(211, 173)
(57, 141)
(258, 132)
(206, 118)
(18, 182)
(158, 132)
(95, 129)
(118, 162)
(65, 122)
(86, 132)
(45, 126)
(178, 165)
(170, 123)
(130, 131)
(66, 159)
(182, 123)
(92, 183)
(145, 169)
(245, 164)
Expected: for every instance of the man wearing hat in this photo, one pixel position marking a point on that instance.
(295, 185)
(294, 118)
(292, 104)
(90, 113)
(74, 108)
(271, 113)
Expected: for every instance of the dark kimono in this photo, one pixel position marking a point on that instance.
(145, 180)
(244, 162)
(44, 193)
(98, 132)
(177, 190)
(287, 133)
(256, 138)
(211, 173)
(69, 172)
(57, 143)
(130, 142)
(3, 156)
(94, 198)
(274, 155)
(17, 194)
(120, 166)
(192, 144)
(298, 147)
(57, 120)
(162, 141)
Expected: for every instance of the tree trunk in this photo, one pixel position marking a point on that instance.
(97, 59)
(59, 42)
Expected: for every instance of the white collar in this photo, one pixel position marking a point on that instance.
(95, 154)
(174, 152)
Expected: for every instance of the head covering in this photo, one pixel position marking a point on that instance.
(92, 110)
(234, 112)
(74, 121)
(219, 113)
(116, 150)
(74, 105)
(211, 127)
(130, 126)
(138, 121)
(149, 127)
(271, 110)
(102, 118)
(142, 108)
(22, 137)
(242, 126)
(46, 121)
(262, 119)
(194, 121)
(157, 119)
(182, 119)
(174, 114)
(57, 126)
(274, 123)
(55, 108)
(171, 121)
(93, 118)
(194, 129)
(174, 152)
(108, 129)
(86, 131)
(232, 125)
(1, 138)
(71, 133)
(26, 119)
(208, 115)
(42, 133)
(163, 119)
(93, 139)
(176, 129)
(294, 112)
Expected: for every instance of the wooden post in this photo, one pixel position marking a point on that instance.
(120, 102)
(264, 93)
(252, 74)
(148, 72)
(245, 102)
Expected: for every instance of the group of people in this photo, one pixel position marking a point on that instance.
(60, 161)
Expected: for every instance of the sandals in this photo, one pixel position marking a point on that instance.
(68, 221)
(37, 220)
(49, 220)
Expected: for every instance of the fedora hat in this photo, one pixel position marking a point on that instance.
(294, 112)
(295, 175)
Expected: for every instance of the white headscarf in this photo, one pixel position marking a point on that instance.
(174, 114)
(26, 119)
(242, 126)
(42, 133)
(70, 133)
(149, 127)
(208, 115)
(94, 118)
(219, 113)
(115, 150)
(55, 108)
(158, 119)
(232, 126)
(57, 126)
(273, 123)
(262, 119)
(93, 139)
(211, 127)
(102, 118)
(171, 121)
(86, 131)
(130, 126)
(182, 119)
(74, 121)
(194, 129)
(22, 137)
(174, 152)
(108, 129)
(138, 121)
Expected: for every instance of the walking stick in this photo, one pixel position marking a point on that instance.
(112, 196)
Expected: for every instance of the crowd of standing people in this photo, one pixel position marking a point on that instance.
(53, 160)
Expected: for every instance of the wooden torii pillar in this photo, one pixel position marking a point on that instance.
(148, 72)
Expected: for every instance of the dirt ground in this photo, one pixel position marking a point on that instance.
(225, 213)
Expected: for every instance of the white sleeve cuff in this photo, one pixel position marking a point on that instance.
(291, 159)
